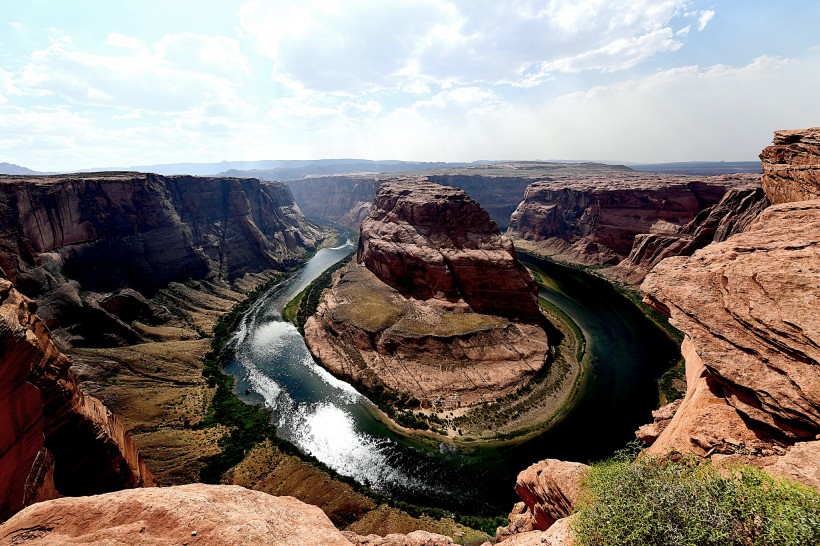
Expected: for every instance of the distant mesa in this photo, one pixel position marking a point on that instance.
(437, 306)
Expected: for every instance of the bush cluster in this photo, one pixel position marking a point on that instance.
(685, 501)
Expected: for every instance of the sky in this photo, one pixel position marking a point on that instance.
(95, 83)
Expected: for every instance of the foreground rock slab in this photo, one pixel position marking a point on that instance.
(198, 514)
(749, 309)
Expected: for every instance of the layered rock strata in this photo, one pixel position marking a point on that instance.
(595, 220)
(748, 309)
(216, 515)
(733, 214)
(549, 489)
(88, 247)
(433, 242)
(791, 166)
(54, 440)
(438, 307)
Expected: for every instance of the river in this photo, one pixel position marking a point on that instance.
(330, 420)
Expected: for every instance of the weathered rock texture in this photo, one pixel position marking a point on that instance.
(733, 214)
(208, 515)
(791, 166)
(53, 439)
(748, 307)
(430, 241)
(595, 219)
(550, 489)
(439, 308)
(87, 247)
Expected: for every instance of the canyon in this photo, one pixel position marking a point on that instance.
(733, 264)
(436, 307)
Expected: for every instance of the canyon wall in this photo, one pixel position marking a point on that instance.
(791, 166)
(437, 307)
(595, 219)
(747, 306)
(733, 214)
(87, 247)
(54, 440)
(432, 241)
(346, 199)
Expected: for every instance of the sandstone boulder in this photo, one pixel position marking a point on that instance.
(550, 489)
(197, 514)
(791, 166)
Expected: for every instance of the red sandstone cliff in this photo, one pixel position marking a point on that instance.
(595, 219)
(791, 166)
(748, 308)
(68, 241)
(430, 241)
(733, 214)
(53, 439)
(439, 308)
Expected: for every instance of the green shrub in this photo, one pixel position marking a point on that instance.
(687, 502)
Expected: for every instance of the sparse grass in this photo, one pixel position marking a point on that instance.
(371, 308)
(289, 313)
(447, 324)
(673, 383)
(685, 501)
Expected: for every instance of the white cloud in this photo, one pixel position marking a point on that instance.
(179, 72)
(360, 46)
(705, 17)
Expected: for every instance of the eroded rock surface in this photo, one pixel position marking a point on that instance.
(748, 306)
(53, 439)
(594, 219)
(431, 241)
(791, 166)
(438, 308)
(71, 241)
(733, 214)
(209, 515)
(550, 489)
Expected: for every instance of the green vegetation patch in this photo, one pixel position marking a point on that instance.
(445, 324)
(372, 306)
(291, 310)
(673, 382)
(685, 501)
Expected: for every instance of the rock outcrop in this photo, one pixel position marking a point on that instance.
(595, 219)
(69, 241)
(54, 440)
(748, 308)
(430, 241)
(438, 307)
(549, 490)
(208, 515)
(733, 214)
(791, 166)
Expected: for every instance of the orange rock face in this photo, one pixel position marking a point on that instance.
(748, 306)
(594, 219)
(791, 166)
(439, 307)
(53, 439)
(430, 241)
(550, 489)
(207, 515)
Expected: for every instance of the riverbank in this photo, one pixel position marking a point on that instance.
(672, 384)
(513, 418)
